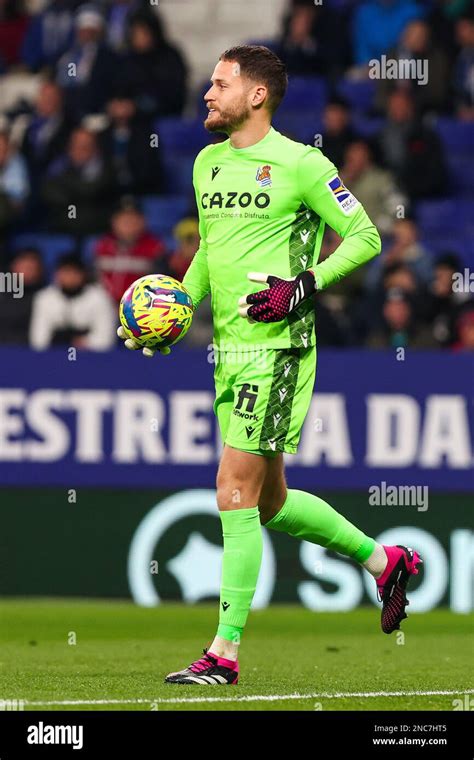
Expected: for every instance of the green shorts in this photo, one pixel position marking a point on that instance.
(263, 396)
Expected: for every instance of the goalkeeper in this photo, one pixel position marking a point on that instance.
(263, 203)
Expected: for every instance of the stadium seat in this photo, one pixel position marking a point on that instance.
(185, 135)
(51, 247)
(305, 94)
(359, 95)
(461, 171)
(299, 125)
(366, 127)
(455, 135)
(88, 248)
(178, 171)
(458, 244)
(433, 215)
(164, 211)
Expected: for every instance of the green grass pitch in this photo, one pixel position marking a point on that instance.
(291, 658)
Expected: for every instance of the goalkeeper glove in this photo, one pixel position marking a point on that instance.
(133, 345)
(283, 296)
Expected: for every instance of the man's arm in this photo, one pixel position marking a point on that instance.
(340, 210)
(196, 279)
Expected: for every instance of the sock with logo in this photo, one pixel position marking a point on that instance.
(243, 546)
(306, 516)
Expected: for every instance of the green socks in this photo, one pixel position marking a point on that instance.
(302, 515)
(243, 546)
(312, 519)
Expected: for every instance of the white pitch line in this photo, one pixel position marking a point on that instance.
(254, 698)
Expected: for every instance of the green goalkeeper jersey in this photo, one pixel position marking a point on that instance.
(264, 209)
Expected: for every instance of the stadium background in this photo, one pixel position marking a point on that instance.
(92, 438)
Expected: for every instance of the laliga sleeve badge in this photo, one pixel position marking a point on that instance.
(342, 196)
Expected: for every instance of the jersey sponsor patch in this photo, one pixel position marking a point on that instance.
(341, 194)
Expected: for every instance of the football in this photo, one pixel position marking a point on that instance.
(156, 310)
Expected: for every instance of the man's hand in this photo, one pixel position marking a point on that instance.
(275, 303)
(132, 345)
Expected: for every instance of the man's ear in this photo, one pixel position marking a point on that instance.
(259, 95)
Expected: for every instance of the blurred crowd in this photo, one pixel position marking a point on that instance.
(81, 88)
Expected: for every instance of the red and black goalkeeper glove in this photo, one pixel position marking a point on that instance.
(277, 301)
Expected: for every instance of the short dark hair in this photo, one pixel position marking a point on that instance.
(260, 64)
(71, 259)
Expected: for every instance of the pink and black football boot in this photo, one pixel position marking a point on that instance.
(208, 671)
(392, 584)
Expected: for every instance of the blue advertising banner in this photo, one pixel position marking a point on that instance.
(118, 419)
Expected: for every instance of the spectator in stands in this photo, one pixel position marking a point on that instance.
(128, 252)
(465, 329)
(14, 182)
(337, 132)
(444, 303)
(15, 313)
(118, 17)
(374, 187)
(416, 45)
(131, 144)
(13, 26)
(378, 24)
(464, 67)
(46, 134)
(80, 187)
(399, 328)
(314, 40)
(49, 34)
(87, 85)
(366, 311)
(186, 234)
(411, 150)
(403, 248)
(442, 17)
(400, 276)
(72, 312)
(154, 70)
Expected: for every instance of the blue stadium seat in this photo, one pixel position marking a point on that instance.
(455, 135)
(185, 135)
(305, 94)
(178, 171)
(88, 248)
(450, 243)
(434, 215)
(162, 212)
(299, 125)
(461, 171)
(51, 247)
(366, 127)
(359, 95)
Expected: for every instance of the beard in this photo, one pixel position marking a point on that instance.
(230, 119)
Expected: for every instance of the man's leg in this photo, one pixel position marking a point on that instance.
(308, 517)
(239, 482)
(312, 519)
